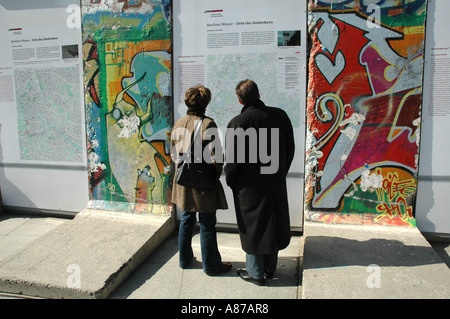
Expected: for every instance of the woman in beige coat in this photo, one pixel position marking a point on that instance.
(192, 200)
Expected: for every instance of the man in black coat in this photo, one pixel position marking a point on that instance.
(259, 151)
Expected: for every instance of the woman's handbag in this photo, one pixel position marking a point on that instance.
(197, 174)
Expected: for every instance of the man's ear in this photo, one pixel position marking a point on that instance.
(240, 101)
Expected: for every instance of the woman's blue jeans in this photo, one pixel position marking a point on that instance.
(211, 258)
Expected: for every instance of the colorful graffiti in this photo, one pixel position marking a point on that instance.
(364, 110)
(127, 56)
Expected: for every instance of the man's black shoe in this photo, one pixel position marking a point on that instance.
(244, 275)
(268, 275)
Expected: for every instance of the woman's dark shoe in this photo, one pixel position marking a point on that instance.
(225, 267)
(185, 265)
(245, 275)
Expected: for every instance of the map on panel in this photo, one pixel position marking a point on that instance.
(225, 71)
(49, 115)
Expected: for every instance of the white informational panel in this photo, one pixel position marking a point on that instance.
(42, 120)
(219, 43)
(432, 213)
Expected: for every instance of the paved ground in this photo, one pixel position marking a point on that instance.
(371, 262)
(150, 280)
(159, 276)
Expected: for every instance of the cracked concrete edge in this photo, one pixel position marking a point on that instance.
(166, 224)
(114, 281)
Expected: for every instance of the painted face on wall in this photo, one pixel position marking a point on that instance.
(127, 50)
(150, 90)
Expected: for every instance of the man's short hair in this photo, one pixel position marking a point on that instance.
(247, 91)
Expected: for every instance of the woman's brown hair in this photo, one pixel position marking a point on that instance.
(197, 99)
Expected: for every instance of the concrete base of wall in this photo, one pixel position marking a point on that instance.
(371, 262)
(87, 257)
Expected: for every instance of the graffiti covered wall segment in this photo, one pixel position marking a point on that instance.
(127, 55)
(364, 110)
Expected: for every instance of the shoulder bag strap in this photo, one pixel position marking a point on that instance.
(196, 131)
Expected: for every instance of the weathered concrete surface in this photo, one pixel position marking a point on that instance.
(371, 262)
(87, 257)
